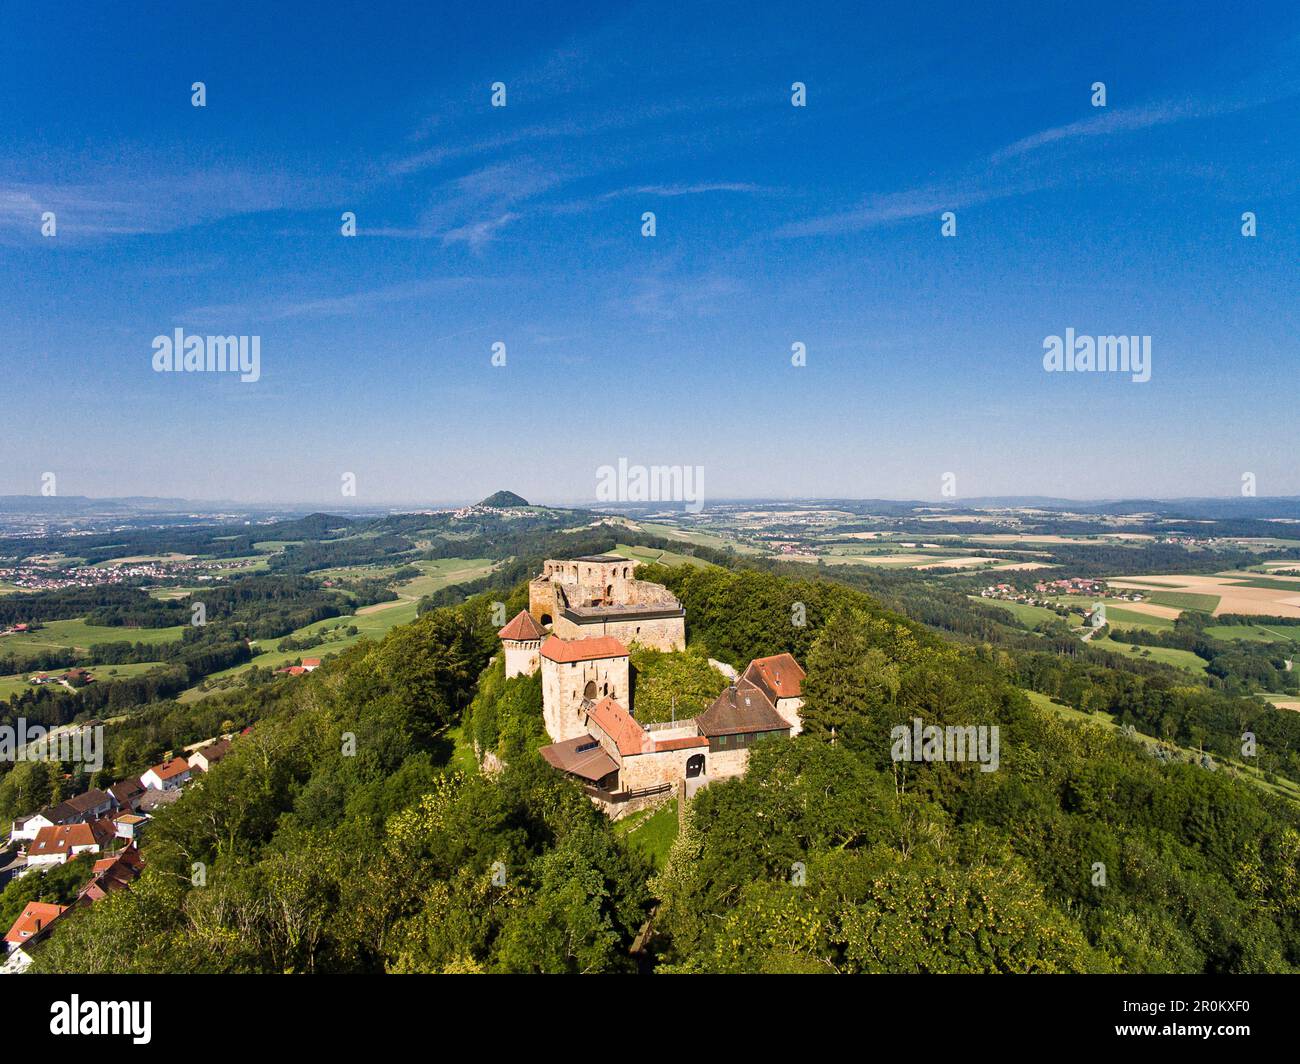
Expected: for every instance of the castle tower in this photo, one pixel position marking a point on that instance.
(577, 673)
(522, 640)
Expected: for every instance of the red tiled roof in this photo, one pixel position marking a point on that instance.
(522, 627)
(780, 676)
(174, 767)
(36, 917)
(112, 874)
(61, 838)
(617, 723)
(313, 662)
(566, 650)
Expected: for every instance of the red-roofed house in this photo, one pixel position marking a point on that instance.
(165, 777)
(781, 678)
(309, 664)
(625, 765)
(32, 922)
(112, 874)
(55, 845)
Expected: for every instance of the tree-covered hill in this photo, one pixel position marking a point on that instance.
(348, 831)
(504, 500)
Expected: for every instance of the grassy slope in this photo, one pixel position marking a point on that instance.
(1284, 788)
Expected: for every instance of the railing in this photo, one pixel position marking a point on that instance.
(626, 796)
(662, 725)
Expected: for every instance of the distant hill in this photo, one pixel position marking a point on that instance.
(504, 500)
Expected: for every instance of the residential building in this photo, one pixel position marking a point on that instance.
(167, 776)
(58, 844)
(205, 757)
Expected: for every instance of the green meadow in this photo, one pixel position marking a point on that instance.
(1180, 659)
(1185, 600)
(1253, 633)
(660, 557)
(651, 831)
(76, 634)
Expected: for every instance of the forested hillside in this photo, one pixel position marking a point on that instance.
(349, 830)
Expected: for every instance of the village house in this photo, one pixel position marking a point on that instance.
(32, 923)
(205, 757)
(56, 845)
(167, 776)
(92, 805)
(126, 794)
(129, 825)
(152, 800)
(112, 874)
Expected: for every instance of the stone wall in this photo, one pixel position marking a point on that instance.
(641, 771)
(788, 710)
(659, 633)
(723, 764)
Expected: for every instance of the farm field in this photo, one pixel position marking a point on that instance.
(1123, 614)
(1221, 593)
(699, 539)
(1123, 618)
(1253, 633)
(76, 634)
(17, 682)
(443, 572)
(1180, 659)
(662, 557)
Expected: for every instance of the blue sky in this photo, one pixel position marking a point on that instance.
(775, 224)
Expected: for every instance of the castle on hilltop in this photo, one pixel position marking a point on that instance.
(594, 609)
(598, 596)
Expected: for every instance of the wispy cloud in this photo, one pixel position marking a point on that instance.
(223, 315)
(1015, 169)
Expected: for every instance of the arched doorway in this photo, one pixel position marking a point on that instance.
(694, 766)
(589, 692)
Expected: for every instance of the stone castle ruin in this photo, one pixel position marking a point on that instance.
(598, 596)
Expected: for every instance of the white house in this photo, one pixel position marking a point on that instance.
(166, 777)
(56, 845)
